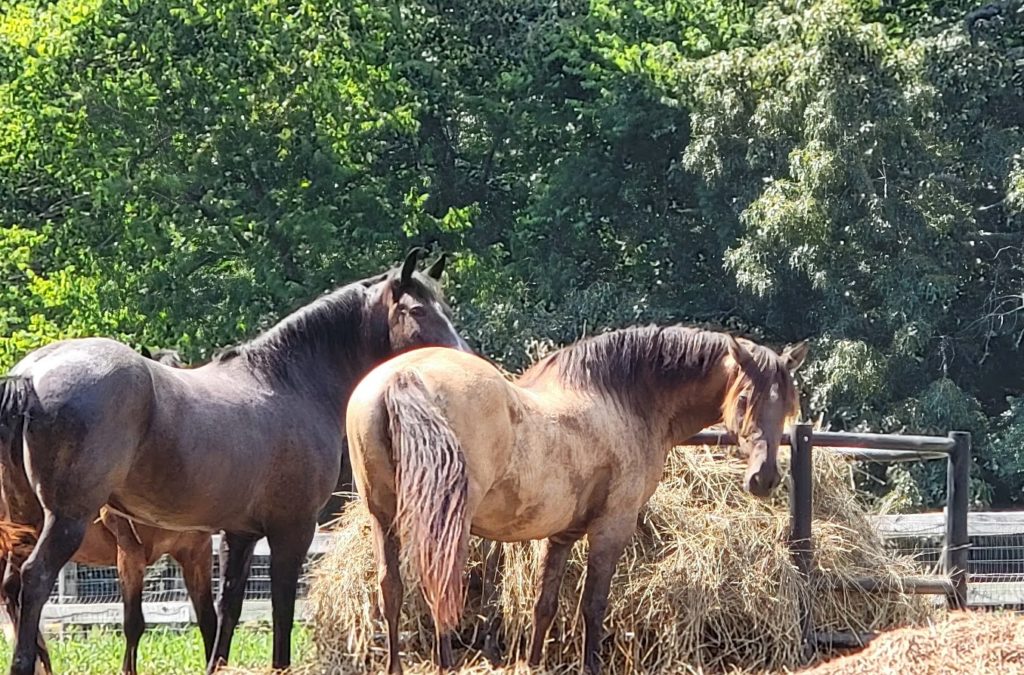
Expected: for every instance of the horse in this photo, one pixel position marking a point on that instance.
(443, 445)
(111, 540)
(249, 443)
(168, 357)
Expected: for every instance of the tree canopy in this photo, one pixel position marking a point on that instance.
(182, 172)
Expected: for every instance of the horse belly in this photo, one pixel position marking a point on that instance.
(179, 513)
(178, 490)
(508, 513)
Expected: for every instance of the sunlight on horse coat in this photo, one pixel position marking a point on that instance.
(442, 445)
(250, 443)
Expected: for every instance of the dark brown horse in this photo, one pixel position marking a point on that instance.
(250, 443)
(442, 445)
(112, 540)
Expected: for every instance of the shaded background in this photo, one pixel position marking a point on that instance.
(182, 174)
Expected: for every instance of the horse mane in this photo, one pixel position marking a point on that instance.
(633, 364)
(339, 322)
(330, 324)
(625, 358)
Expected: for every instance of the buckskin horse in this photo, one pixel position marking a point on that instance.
(112, 540)
(443, 445)
(249, 443)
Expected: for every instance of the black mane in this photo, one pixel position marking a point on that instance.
(332, 324)
(341, 329)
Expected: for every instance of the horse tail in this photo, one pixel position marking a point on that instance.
(16, 396)
(432, 485)
(17, 539)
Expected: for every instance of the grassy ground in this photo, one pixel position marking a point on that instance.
(161, 652)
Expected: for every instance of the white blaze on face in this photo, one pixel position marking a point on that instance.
(773, 393)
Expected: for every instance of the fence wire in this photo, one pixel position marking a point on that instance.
(82, 584)
(995, 565)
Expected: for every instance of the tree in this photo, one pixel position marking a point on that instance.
(844, 170)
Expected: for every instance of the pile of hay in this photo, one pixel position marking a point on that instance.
(708, 582)
(965, 643)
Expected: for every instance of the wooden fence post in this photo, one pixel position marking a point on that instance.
(958, 484)
(800, 506)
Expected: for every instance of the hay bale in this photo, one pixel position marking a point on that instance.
(965, 643)
(707, 583)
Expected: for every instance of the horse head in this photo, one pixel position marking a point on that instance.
(413, 306)
(760, 401)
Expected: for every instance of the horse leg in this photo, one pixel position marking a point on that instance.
(386, 550)
(549, 581)
(196, 561)
(235, 558)
(131, 572)
(445, 657)
(288, 549)
(60, 538)
(607, 542)
(10, 589)
(490, 581)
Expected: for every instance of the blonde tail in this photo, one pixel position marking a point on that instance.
(432, 484)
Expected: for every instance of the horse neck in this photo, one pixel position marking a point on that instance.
(678, 413)
(325, 370)
(335, 373)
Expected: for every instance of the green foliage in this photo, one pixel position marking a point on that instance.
(870, 171)
(181, 173)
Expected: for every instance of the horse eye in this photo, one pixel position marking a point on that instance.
(417, 311)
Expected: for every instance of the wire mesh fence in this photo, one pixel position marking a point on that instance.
(163, 583)
(92, 595)
(995, 559)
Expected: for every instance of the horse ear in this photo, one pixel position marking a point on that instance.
(795, 355)
(435, 270)
(740, 354)
(401, 284)
(144, 350)
(409, 266)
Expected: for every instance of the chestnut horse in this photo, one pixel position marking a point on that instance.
(249, 443)
(112, 540)
(443, 445)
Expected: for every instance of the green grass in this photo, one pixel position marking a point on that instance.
(98, 651)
